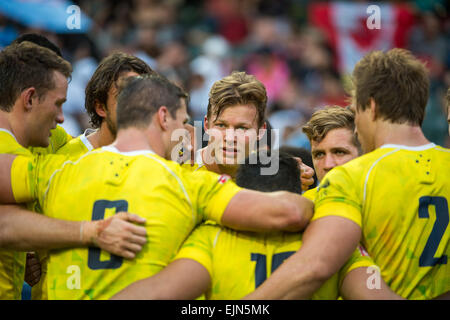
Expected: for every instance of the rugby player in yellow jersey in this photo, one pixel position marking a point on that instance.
(101, 94)
(394, 199)
(33, 84)
(59, 136)
(226, 264)
(235, 122)
(133, 174)
(333, 141)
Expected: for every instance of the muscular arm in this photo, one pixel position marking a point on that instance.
(25, 230)
(6, 194)
(267, 211)
(327, 243)
(183, 279)
(356, 287)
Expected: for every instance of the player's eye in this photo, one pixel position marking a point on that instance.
(318, 155)
(340, 152)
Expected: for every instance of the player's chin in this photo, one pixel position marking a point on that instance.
(43, 143)
(230, 157)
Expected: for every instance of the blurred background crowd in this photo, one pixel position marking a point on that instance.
(303, 51)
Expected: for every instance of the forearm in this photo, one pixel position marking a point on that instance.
(327, 243)
(261, 212)
(183, 279)
(294, 279)
(24, 230)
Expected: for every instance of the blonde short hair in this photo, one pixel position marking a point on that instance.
(327, 119)
(237, 88)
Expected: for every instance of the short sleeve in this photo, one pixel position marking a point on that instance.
(310, 194)
(337, 195)
(213, 192)
(359, 258)
(199, 246)
(23, 178)
(30, 176)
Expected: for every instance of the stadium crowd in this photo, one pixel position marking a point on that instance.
(283, 43)
(348, 198)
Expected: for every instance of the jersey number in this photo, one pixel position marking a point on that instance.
(427, 258)
(98, 213)
(261, 268)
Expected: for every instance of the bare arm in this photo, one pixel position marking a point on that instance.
(6, 194)
(327, 243)
(444, 296)
(25, 230)
(357, 286)
(267, 211)
(183, 279)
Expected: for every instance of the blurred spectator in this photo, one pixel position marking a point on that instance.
(429, 43)
(210, 66)
(301, 50)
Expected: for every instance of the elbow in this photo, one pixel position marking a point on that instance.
(293, 219)
(296, 216)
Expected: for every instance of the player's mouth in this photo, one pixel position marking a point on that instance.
(230, 152)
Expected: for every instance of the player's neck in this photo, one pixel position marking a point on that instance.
(101, 137)
(10, 122)
(133, 139)
(228, 169)
(208, 160)
(400, 134)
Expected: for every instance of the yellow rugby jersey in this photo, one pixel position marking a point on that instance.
(73, 149)
(12, 263)
(77, 146)
(399, 196)
(238, 262)
(173, 201)
(310, 194)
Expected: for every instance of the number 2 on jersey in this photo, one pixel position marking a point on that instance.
(427, 258)
(98, 213)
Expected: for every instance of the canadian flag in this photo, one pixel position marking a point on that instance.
(345, 26)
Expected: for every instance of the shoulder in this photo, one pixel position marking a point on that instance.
(310, 194)
(9, 144)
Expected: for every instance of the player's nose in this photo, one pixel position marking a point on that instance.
(230, 135)
(60, 117)
(329, 162)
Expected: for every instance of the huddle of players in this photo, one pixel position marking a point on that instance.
(132, 174)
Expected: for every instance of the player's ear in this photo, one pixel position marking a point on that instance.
(373, 109)
(163, 117)
(206, 124)
(100, 109)
(28, 98)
